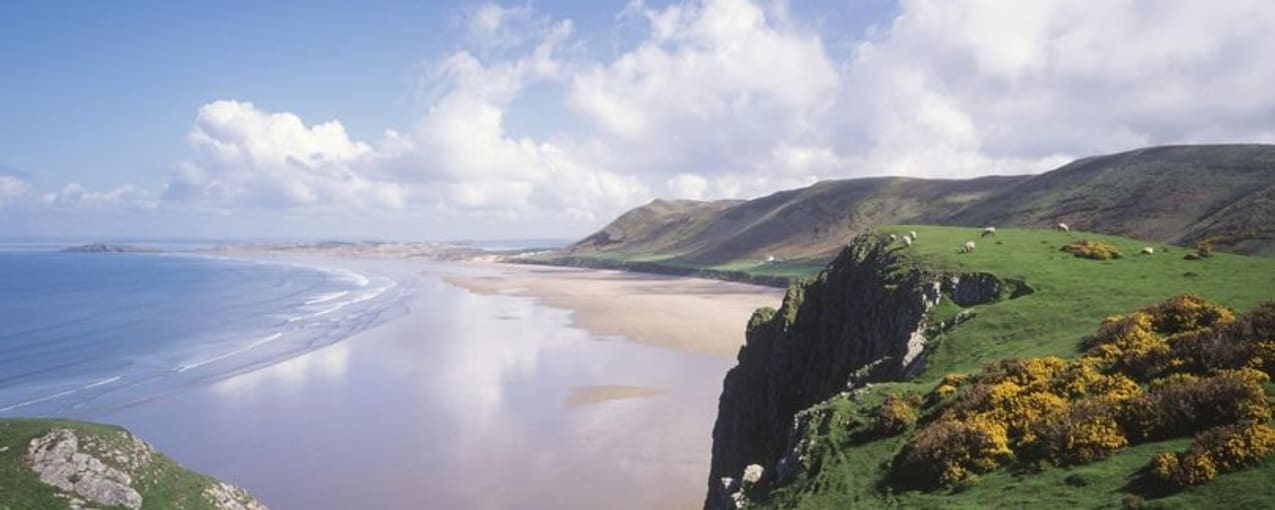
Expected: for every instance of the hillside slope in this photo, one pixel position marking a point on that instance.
(1224, 194)
(796, 414)
(48, 464)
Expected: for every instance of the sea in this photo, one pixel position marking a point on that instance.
(85, 333)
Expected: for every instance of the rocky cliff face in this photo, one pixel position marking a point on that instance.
(861, 320)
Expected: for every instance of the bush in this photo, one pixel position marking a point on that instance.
(1182, 406)
(1173, 470)
(1187, 312)
(1096, 250)
(1233, 447)
(1222, 449)
(950, 451)
(1130, 335)
(895, 415)
(1087, 433)
(1131, 502)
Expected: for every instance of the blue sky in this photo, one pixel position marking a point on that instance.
(423, 120)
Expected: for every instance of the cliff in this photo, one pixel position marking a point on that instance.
(861, 320)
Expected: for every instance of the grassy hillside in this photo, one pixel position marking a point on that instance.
(1224, 194)
(159, 481)
(1072, 296)
(1181, 194)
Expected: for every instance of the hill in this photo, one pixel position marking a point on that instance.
(48, 463)
(886, 326)
(1222, 194)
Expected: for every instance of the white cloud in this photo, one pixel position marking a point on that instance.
(690, 186)
(965, 88)
(74, 195)
(715, 87)
(737, 98)
(246, 156)
(12, 189)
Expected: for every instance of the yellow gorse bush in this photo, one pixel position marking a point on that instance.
(1096, 250)
(1176, 368)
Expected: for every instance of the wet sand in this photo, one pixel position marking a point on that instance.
(470, 400)
(694, 314)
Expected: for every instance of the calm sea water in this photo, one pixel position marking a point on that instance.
(81, 333)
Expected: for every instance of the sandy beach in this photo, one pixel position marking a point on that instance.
(531, 387)
(694, 314)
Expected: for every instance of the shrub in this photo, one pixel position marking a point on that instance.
(895, 415)
(1122, 335)
(1087, 433)
(1223, 449)
(1181, 406)
(1096, 250)
(950, 451)
(1187, 312)
(1174, 470)
(943, 391)
(1233, 447)
(1131, 502)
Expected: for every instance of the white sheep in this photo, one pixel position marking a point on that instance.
(893, 238)
(1063, 227)
(989, 231)
(1147, 250)
(912, 234)
(968, 247)
(907, 241)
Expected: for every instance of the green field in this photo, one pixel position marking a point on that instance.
(1072, 295)
(161, 482)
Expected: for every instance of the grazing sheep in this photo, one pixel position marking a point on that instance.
(1063, 227)
(907, 241)
(1147, 250)
(968, 247)
(989, 231)
(893, 238)
(912, 234)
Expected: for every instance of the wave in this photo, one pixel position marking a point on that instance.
(323, 298)
(102, 382)
(38, 400)
(258, 343)
(358, 299)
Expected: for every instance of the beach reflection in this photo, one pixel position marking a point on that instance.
(460, 404)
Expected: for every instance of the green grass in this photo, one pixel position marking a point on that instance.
(791, 270)
(1072, 295)
(162, 483)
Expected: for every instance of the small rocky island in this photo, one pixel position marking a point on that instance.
(107, 248)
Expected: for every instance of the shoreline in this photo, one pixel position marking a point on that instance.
(683, 313)
(497, 386)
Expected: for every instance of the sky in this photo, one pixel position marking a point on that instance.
(481, 120)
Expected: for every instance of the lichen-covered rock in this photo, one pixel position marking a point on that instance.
(56, 458)
(228, 497)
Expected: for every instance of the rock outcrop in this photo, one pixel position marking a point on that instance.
(862, 320)
(57, 459)
(112, 469)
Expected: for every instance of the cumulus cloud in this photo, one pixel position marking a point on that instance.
(246, 156)
(715, 88)
(462, 156)
(962, 88)
(737, 98)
